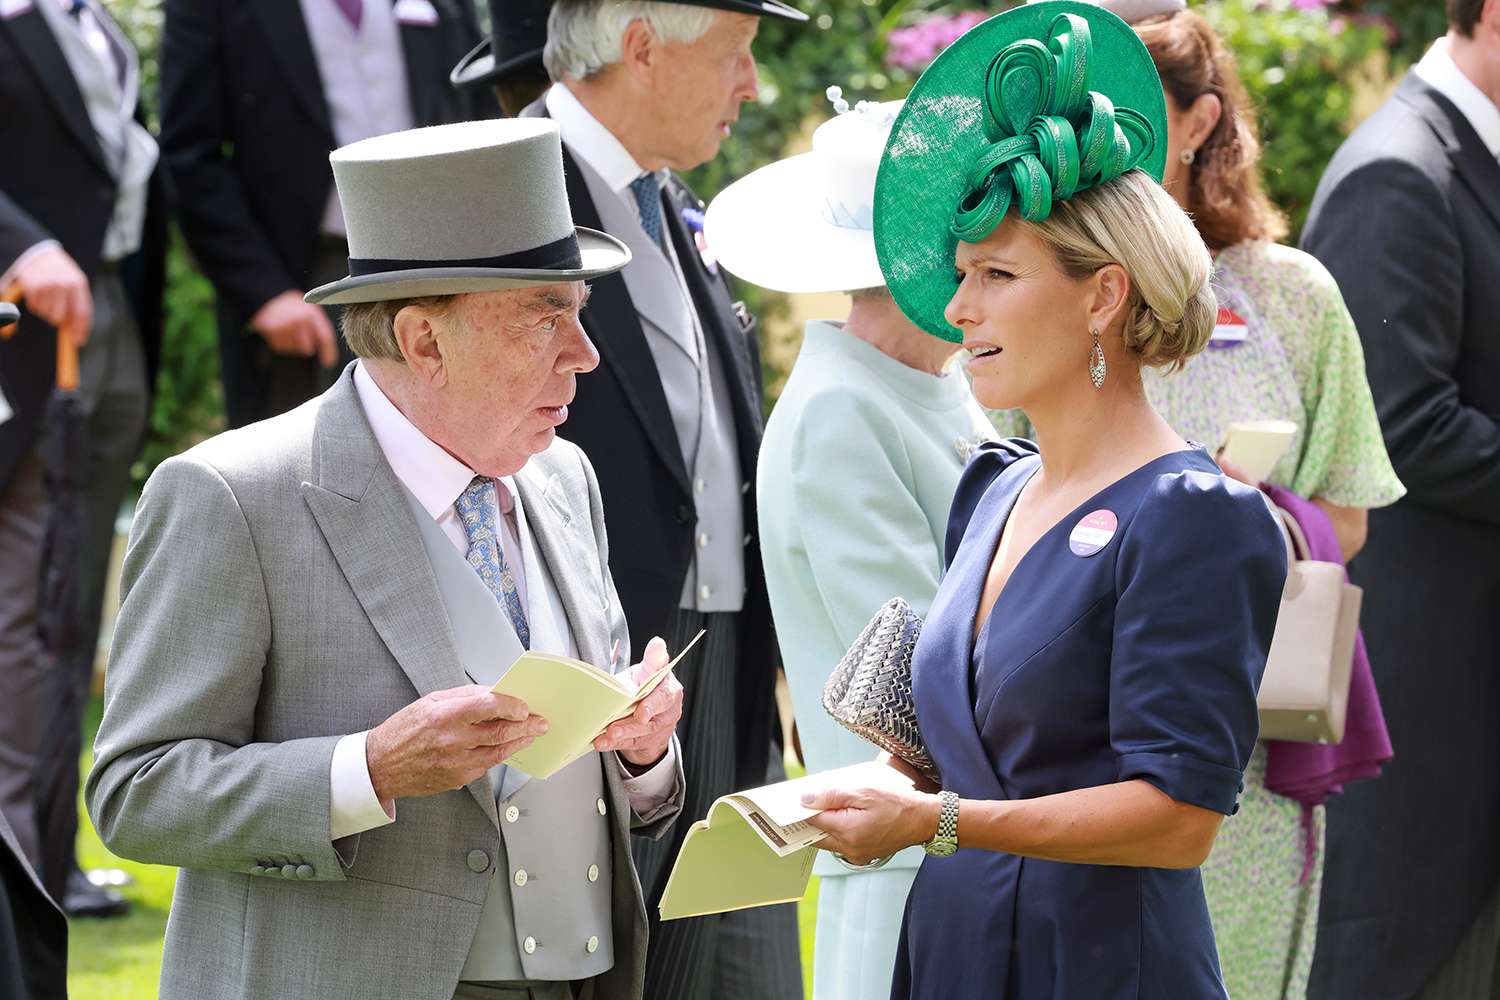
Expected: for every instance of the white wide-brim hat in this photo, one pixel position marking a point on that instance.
(470, 207)
(806, 223)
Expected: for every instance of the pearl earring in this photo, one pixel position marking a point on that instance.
(1187, 156)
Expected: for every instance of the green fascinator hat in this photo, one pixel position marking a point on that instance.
(1025, 110)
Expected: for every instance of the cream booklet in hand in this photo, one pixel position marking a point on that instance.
(1255, 446)
(756, 847)
(577, 699)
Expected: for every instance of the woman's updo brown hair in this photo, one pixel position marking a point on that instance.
(1224, 191)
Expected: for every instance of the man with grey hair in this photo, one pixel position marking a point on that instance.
(672, 420)
(315, 609)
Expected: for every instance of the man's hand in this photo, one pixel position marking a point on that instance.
(292, 325)
(643, 736)
(446, 740)
(56, 291)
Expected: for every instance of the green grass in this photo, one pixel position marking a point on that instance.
(121, 959)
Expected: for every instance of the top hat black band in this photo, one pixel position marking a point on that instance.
(560, 255)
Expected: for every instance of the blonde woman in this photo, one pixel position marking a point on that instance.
(1086, 677)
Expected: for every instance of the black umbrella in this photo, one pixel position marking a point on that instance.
(61, 599)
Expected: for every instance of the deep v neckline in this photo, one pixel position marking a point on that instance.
(979, 631)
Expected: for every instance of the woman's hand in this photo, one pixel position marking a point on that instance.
(869, 823)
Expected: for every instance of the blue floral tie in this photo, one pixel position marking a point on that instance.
(648, 199)
(479, 509)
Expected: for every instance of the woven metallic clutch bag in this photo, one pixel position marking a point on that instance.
(869, 692)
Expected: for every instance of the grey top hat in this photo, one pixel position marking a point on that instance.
(471, 207)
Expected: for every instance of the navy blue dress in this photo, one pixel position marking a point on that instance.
(1111, 654)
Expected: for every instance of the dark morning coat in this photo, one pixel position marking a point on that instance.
(620, 419)
(246, 134)
(54, 184)
(1407, 219)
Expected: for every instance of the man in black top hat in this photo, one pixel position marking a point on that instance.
(510, 60)
(671, 421)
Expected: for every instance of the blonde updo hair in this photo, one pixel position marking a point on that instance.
(1132, 222)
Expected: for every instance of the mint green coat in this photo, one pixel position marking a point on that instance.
(856, 474)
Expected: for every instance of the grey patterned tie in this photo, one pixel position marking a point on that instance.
(479, 510)
(648, 199)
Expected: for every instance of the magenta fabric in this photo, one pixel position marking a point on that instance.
(1312, 772)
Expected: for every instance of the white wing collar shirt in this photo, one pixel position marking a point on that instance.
(437, 479)
(1439, 70)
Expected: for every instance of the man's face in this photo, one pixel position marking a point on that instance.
(510, 360)
(697, 90)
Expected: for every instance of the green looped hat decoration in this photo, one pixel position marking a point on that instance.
(1024, 110)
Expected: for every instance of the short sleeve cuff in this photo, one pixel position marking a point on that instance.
(354, 806)
(1187, 779)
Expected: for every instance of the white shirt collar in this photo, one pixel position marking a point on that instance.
(1439, 70)
(433, 476)
(590, 140)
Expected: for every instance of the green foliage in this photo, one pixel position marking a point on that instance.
(1304, 70)
(189, 401)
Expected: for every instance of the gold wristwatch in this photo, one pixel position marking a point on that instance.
(945, 842)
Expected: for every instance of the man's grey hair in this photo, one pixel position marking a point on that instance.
(584, 36)
(370, 327)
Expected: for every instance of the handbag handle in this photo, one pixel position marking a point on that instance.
(1291, 533)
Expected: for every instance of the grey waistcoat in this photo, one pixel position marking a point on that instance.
(697, 390)
(364, 79)
(110, 91)
(539, 925)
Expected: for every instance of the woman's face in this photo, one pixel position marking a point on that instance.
(1025, 322)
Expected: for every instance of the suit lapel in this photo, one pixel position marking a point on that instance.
(1476, 168)
(621, 341)
(38, 47)
(556, 539)
(287, 30)
(426, 68)
(721, 325)
(363, 514)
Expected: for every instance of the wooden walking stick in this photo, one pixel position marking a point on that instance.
(67, 348)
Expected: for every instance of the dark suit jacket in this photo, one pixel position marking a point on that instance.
(621, 420)
(246, 134)
(33, 931)
(1407, 218)
(54, 185)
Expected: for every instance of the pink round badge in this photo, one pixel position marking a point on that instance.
(1093, 532)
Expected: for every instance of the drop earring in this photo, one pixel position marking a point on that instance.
(1096, 363)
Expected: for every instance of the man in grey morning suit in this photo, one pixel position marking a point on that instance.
(292, 584)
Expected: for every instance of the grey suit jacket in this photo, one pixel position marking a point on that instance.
(277, 596)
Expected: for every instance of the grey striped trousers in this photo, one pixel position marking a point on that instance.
(749, 954)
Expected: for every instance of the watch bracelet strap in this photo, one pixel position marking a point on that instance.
(947, 828)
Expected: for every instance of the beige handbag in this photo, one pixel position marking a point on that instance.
(1304, 695)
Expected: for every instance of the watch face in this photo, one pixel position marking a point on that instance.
(942, 848)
